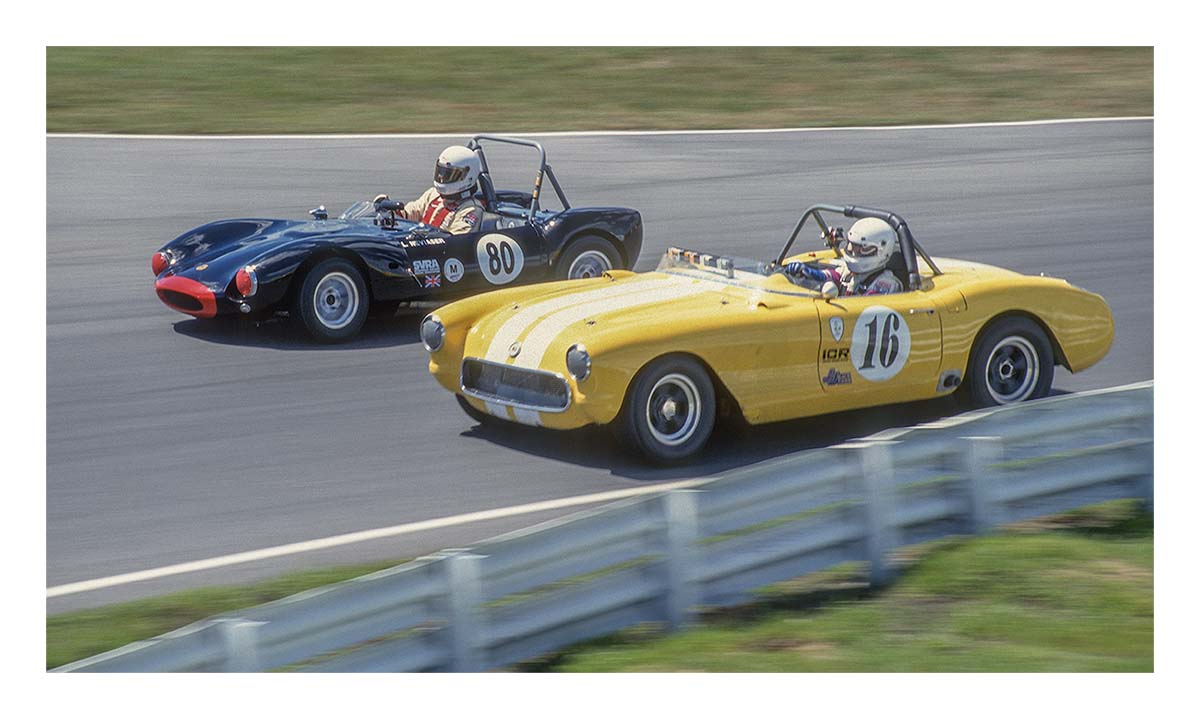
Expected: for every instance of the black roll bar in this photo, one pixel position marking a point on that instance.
(544, 170)
(909, 247)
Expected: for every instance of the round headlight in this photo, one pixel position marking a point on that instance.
(579, 364)
(433, 333)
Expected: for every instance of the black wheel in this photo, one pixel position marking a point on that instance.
(332, 302)
(1012, 361)
(669, 411)
(480, 417)
(587, 256)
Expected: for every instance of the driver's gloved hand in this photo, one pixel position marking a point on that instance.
(799, 268)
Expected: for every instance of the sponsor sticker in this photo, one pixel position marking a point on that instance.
(836, 326)
(426, 267)
(834, 377)
(454, 269)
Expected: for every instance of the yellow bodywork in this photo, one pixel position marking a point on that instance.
(771, 346)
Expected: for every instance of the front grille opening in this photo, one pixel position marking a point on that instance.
(516, 386)
(180, 300)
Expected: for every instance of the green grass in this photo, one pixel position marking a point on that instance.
(292, 90)
(81, 634)
(1033, 599)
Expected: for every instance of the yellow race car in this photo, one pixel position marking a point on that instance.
(660, 356)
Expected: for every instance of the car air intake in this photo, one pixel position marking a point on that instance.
(179, 300)
(523, 388)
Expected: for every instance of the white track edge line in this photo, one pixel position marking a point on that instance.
(362, 536)
(596, 133)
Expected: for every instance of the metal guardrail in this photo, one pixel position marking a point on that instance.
(661, 558)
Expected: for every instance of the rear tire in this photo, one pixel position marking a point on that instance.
(1012, 361)
(669, 411)
(332, 301)
(587, 256)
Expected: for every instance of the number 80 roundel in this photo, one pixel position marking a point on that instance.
(500, 258)
(880, 344)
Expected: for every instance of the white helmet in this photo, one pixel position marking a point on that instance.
(457, 171)
(870, 243)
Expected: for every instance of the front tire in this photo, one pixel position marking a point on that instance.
(586, 257)
(482, 418)
(1012, 361)
(670, 410)
(333, 301)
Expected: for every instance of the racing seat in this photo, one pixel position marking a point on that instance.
(486, 195)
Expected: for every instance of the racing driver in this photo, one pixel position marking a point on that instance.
(450, 204)
(863, 270)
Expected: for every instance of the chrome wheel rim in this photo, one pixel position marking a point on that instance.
(673, 410)
(1012, 370)
(591, 263)
(336, 300)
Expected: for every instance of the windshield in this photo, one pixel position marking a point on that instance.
(676, 257)
(358, 211)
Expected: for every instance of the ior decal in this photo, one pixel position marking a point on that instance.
(880, 343)
(454, 269)
(500, 258)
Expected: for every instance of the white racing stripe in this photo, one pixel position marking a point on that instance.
(600, 133)
(363, 536)
(526, 316)
(539, 339)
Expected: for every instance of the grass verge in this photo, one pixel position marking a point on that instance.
(337, 89)
(1070, 594)
(76, 635)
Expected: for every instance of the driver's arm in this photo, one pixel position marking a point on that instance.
(416, 209)
(817, 275)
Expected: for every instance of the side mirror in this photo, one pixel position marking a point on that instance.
(319, 213)
(829, 290)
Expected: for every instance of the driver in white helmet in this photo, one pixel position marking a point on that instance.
(450, 204)
(870, 245)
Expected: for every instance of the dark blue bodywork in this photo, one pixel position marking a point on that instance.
(394, 261)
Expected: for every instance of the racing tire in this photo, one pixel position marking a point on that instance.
(669, 411)
(1012, 361)
(332, 302)
(586, 257)
(482, 418)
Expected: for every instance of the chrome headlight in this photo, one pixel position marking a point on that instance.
(579, 364)
(433, 333)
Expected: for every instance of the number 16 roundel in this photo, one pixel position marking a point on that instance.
(500, 258)
(880, 343)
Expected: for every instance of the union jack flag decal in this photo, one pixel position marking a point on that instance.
(433, 280)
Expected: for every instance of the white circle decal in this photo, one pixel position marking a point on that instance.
(453, 269)
(500, 258)
(880, 343)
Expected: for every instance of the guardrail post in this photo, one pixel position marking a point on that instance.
(464, 582)
(683, 533)
(240, 638)
(879, 484)
(1147, 482)
(979, 454)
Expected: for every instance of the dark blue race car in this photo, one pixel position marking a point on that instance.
(330, 273)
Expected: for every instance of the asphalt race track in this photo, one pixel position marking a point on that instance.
(169, 440)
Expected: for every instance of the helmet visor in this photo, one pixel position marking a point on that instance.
(856, 249)
(446, 174)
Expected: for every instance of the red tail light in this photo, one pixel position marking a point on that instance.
(246, 281)
(159, 262)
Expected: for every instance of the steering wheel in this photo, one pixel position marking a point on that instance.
(389, 207)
